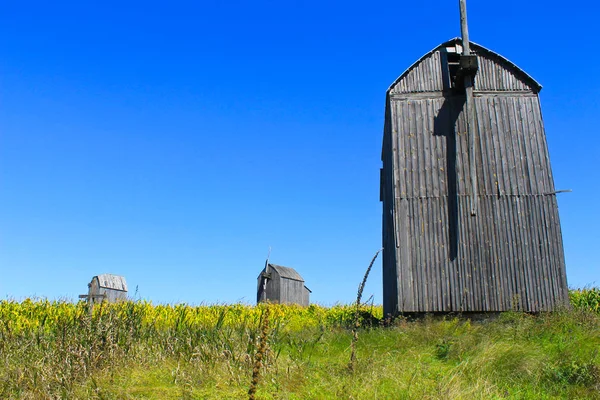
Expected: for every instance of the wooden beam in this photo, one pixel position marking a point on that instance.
(470, 106)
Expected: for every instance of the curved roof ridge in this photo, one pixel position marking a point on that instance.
(112, 281)
(287, 272)
(535, 84)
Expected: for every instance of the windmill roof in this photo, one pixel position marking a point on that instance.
(287, 272)
(110, 281)
(478, 49)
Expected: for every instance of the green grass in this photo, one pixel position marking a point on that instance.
(140, 351)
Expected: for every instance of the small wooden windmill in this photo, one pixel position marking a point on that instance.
(283, 285)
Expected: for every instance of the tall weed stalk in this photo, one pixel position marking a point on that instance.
(356, 322)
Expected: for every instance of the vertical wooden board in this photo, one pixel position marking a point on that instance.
(418, 76)
(559, 267)
(495, 161)
(482, 252)
(560, 251)
(414, 148)
(427, 149)
(485, 184)
(479, 261)
(468, 260)
(440, 152)
(560, 256)
(421, 150)
(470, 263)
(391, 285)
(463, 169)
(487, 256)
(545, 156)
(517, 136)
(413, 216)
(443, 251)
(516, 250)
(480, 160)
(417, 265)
(510, 288)
(399, 149)
(433, 267)
(554, 234)
(538, 257)
(506, 130)
(415, 276)
(487, 217)
(493, 85)
(534, 258)
(548, 272)
(410, 140)
(531, 184)
(486, 71)
(548, 242)
(503, 278)
(404, 272)
(494, 190)
(530, 252)
(540, 148)
(462, 260)
(434, 146)
(426, 255)
(527, 257)
(545, 258)
(511, 265)
(496, 253)
(436, 72)
(425, 258)
(500, 151)
(460, 191)
(521, 250)
(534, 164)
(530, 107)
(435, 254)
(505, 153)
(452, 263)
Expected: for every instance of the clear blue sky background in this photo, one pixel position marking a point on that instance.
(174, 143)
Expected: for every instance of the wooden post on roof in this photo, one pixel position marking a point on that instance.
(266, 277)
(470, 106)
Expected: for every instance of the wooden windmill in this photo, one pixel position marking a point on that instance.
(470, 218)
(283, 285)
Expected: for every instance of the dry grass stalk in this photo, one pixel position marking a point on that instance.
(260, 353)
(356, 322)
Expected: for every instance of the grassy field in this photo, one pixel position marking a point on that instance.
(135, 350)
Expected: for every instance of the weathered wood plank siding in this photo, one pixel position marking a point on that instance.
(437, 257)
(292, 291)
(107, 287)
(284, 285)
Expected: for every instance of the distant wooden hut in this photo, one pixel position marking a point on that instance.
(283, 285)
(107, 287)
(470, 217)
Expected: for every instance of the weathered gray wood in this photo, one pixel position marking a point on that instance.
(284, 285)
(470, 110)
(437, 257)
(109, 287)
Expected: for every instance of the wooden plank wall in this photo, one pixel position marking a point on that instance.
(292, 291)
(508, 256)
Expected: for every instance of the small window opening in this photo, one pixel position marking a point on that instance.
(453, 67)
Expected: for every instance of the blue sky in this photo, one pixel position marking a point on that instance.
(174, 143)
